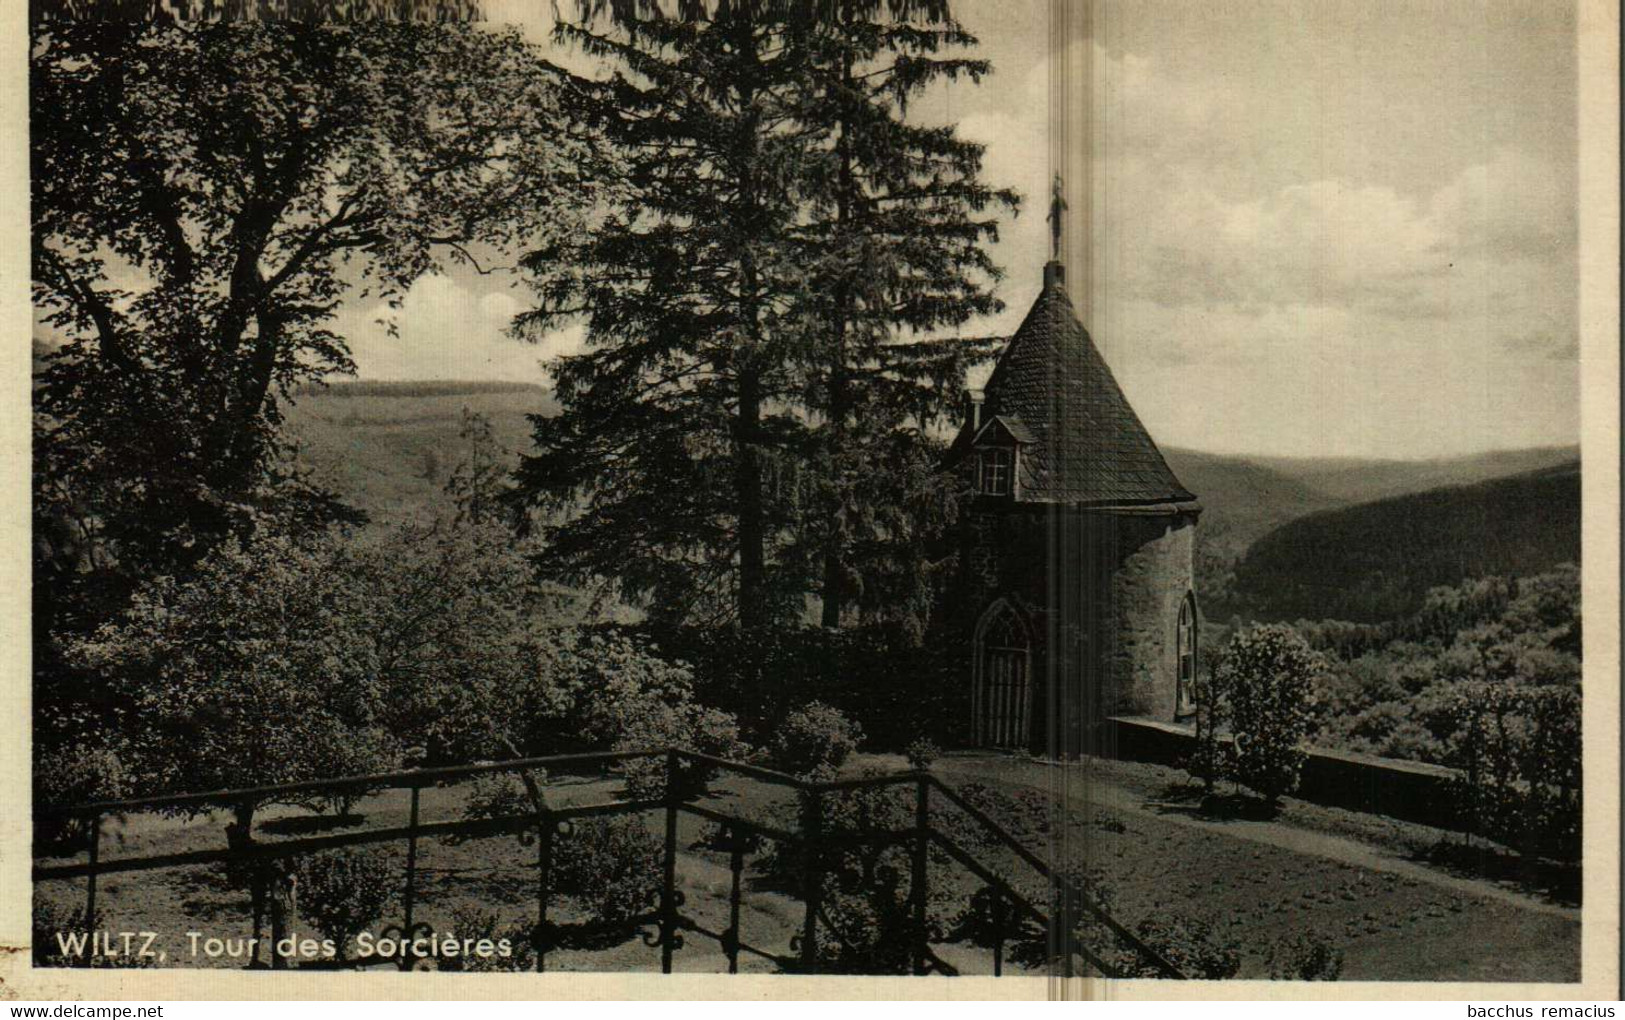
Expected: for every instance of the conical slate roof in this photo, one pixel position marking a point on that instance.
(1089, 447)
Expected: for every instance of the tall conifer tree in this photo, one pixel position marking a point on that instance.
(746, 419)
(899, 218)
(674, 457)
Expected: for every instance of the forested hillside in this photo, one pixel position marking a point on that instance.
(1241, 502)
(1377, 561)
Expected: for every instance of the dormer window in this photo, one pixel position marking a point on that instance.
(996, 469)
(995, 456)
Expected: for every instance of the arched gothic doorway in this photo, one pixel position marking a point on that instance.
(1002, 697)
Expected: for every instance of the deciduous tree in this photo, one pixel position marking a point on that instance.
(204, 197)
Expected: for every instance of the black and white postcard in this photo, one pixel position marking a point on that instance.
(790, 497)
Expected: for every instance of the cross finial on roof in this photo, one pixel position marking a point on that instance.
(1057, 206)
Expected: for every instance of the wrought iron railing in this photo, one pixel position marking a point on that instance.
(1010, 907)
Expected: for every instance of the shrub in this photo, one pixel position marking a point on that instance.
(52, 919)
(613, 866)
(594, 688)
(1191, 944)
(869, 927)
(276, 703)
(470, 922)
(1394, 689)
(503, 795)
(1305, 957)
(1374, 725)
(75, 773)
(1518, 749)
(1206, 761)
(867, 923)
(987, 920)
(844, 818)
(1412, 742)
(341, 655)
(500, 795)
(922, 753)
(342, 752)
(814, 741)
(1263, 688)
(688, 726)
(343, 891)
(877, 674)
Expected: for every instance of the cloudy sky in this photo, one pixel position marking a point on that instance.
(1316, 227)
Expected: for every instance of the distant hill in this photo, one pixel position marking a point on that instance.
(1242, 498)
(1376, 560)
(1242, 501)
(1353, 480)
(412, 388)
(1246, 498)
(387, 447)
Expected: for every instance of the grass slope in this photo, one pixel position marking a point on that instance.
(387, 448)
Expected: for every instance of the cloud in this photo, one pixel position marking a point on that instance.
(1196, 201)
(500, 307)
(1514, 207)
(450, 329)
(1267, 278)
(1494, 247)
(1323, 238)
(1238, 199)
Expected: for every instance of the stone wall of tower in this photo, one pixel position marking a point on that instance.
(1153, 571)
(1104, 621)
(1004, 556)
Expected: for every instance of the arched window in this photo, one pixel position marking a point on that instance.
(1002, 688)
(1185, 646)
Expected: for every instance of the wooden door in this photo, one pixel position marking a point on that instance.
(1003, 693)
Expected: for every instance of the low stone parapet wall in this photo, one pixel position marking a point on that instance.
(1407, 790)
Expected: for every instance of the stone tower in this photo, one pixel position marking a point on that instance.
(1076, 595)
